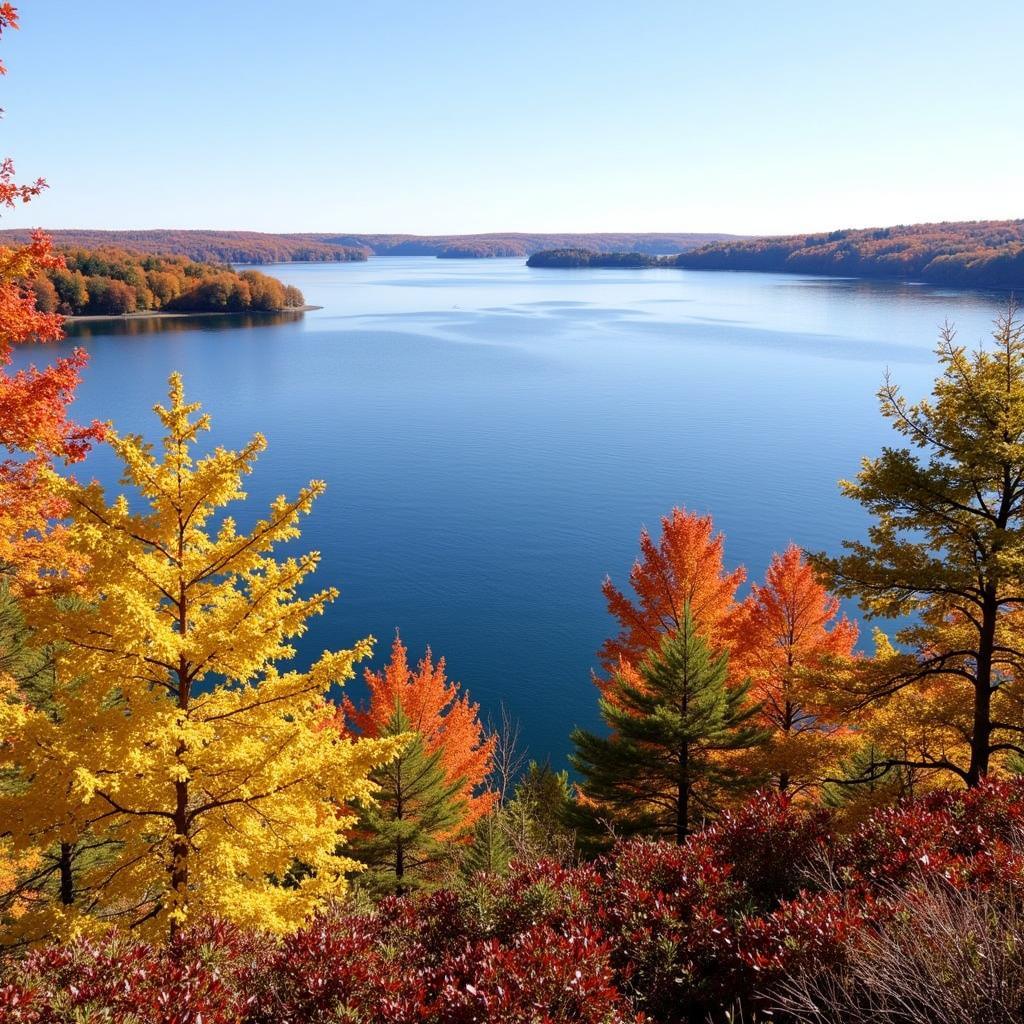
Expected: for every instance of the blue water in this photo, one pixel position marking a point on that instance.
(494, 437)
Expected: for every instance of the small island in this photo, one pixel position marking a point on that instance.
(115, 282)
(590, 258)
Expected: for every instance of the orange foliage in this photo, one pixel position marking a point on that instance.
(683, 568)
(34, 425)
(787, 627)
(445, 719)
(787, 624)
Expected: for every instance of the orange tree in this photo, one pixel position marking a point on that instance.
(683, 571)
(437, 788)
(788, 632)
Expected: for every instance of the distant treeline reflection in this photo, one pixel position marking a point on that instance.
(82, 330)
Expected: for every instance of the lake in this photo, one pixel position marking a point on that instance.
(494, 437)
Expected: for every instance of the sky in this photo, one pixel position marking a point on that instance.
(461, 116)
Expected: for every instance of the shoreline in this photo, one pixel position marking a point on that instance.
(168, 314)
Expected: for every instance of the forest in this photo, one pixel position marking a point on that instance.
(257, 247)
(973, 254)
(203, 246)
(771, 821)
(114, 282)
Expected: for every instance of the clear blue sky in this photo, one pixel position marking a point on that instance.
(438, 116)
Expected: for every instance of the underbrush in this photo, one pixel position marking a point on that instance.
(914, 917)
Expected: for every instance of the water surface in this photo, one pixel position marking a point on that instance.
(493, 437)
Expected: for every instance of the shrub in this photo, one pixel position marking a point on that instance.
(918, 912)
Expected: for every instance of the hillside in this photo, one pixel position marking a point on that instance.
(204, 246)
(979, 254)
(259, 247)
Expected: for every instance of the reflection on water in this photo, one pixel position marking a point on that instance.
(132, 326)
(493, 437)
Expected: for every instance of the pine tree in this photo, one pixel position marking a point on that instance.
(537, 817)
(946, 550)
(440, 711)
(416, 809)
(674, 723)
(490, 851)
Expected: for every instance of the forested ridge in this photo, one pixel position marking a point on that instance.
(981, 254)
(203, 246)
(113, 282)
(977, 254)
(259, 247)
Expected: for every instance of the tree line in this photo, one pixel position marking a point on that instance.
(590, 258)
(972, 254)
(114, 282)
(204, 246)
(260, 247)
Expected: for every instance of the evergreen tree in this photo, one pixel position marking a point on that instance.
(20, 660)
(674, 722)
(537, 816)
(416, 810)
(490, 851)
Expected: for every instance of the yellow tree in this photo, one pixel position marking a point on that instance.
(174, 734)
(946, 546)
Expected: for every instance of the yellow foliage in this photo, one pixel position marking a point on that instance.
(207, 774)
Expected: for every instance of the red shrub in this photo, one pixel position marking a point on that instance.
(655, 932)
(119, 981)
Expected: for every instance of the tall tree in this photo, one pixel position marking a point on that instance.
(683, 570)
(788, 629)
(664, 767)
(445, 718)
(404, 832)
(946, 546)
(177, 736)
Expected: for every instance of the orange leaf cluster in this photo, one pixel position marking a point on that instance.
(685, 567)
(785, 626)
(34, 424)
(444, 717)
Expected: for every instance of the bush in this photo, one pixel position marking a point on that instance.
(918, 912)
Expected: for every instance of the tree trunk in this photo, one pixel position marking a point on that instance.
(67, 878)
(179, 850)
(982, 728)
(683, 797)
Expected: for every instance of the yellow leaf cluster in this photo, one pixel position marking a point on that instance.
(211, 780)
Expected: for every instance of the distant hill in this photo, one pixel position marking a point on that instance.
(516, 244)
(974, 254)
(260, 247)
(204, 246)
